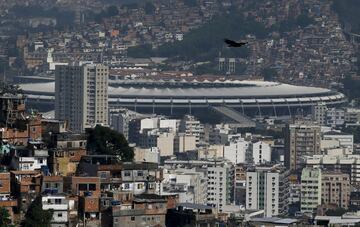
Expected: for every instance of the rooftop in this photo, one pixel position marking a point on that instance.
(194, 206)
(214, 89)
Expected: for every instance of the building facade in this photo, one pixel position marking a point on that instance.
(335, 189)
(81, 95)
(301, 140)
(310, 189)
(220, 185)
(267, 188)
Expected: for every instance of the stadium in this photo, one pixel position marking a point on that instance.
(181, 96)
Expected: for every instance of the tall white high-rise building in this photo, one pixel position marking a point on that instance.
(267, 188)
(220, 185)
(81, 95)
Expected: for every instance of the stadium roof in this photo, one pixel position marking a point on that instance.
(256, 89)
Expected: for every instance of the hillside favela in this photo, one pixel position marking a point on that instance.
(179, 113)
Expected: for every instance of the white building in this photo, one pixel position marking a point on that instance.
(219, 175)
(349, 164)
(149, 123)
(335, 117)
(193, 127)
(162, 139)
(220, 185)
(310, 189)
(81, 95)
(60, 206)
(261, 152)
(184, 143)
(189, 184)
(236, 150)
(159, 123)
(220, 134)
(147, 154)
(352, 115)
(34, 163)
(345, 140)
(120, 118)
(172, 124)
(267, 188)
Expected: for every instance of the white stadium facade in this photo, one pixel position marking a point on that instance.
(250, 97)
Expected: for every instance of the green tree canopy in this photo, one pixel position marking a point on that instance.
(36, 216)
(141, 51)
(206, 42)
(348, 11)
(352, 87)
(103, 140)
(5, 219)
(336, 212)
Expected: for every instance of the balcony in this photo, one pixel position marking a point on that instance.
(47, 206)
(111, 180)
(8, 203)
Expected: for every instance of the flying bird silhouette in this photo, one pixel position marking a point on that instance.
(232, 43)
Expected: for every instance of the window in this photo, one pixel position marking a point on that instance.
(82, 187)
(57, 201)
(127, 173)
(59, 215)
(132, 218)
(103, 175)
(92, 187)
(140, 173)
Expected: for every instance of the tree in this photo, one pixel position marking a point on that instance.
(352, 87)
(141, 51)
(336, 212)
(205, 43)
(103, 140)
(304, 20)
(5, 219)
(36, 216)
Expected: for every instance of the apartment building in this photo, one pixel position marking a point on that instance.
(267, 188)
(81, 95)
(310, 189)
(335, 187)
(301, 140)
